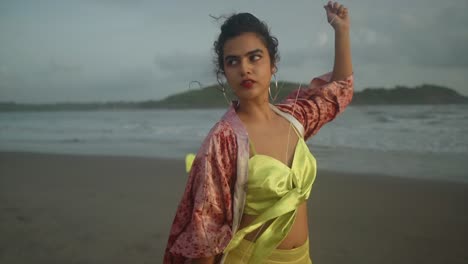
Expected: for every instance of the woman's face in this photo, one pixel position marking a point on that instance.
(247, 66)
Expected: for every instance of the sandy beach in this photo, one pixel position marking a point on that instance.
(103, 209)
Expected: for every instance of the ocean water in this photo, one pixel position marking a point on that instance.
(429, 141)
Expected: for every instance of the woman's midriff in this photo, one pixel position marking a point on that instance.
(296, 237)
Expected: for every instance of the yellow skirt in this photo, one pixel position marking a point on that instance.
(299, 255)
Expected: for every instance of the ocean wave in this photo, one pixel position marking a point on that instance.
(384, 119)
(374, 112)
(72, 140)
(418, 116)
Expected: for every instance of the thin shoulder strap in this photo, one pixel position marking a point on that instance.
(252, 147)
(292, 119)
(295, 129)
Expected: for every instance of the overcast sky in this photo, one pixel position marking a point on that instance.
(104, 50)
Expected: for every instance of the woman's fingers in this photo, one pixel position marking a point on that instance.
(336, 5)
(345, 12)
(340, 10)
(336, 8)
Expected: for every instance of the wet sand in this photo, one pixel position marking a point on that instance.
(103, 209)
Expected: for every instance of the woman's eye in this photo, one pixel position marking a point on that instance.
(231, 62)
(255, 57)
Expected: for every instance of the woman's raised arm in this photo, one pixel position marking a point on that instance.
(338, 17)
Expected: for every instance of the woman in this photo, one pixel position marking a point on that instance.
(245, 198)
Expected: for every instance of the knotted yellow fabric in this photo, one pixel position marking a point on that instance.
(299, 255)
(274, 193)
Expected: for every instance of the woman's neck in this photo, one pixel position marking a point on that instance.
(255, 111)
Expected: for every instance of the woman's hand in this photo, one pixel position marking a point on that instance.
(337, 15)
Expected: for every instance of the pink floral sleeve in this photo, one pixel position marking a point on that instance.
(319, 103)
(202, 225)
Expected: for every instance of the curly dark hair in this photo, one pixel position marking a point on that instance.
(234, 26)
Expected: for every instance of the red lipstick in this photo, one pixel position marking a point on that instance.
(247, 83)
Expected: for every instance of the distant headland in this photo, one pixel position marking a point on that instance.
(211, 97)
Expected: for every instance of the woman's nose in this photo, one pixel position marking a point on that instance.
(245, 67)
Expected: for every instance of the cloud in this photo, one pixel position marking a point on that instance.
(119, 3)
(186, 66)
(105, 49)
(55, 67)
(418, 36)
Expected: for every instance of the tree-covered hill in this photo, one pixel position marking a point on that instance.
(211, 97)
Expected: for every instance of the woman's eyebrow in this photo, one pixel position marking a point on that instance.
(254, 51)
(246, 54)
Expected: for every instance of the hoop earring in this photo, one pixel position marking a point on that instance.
(225, 95)
(228, 100)
(277, 89)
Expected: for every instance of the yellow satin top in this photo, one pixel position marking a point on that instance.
(274, 192)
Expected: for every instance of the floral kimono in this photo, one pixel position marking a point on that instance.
(213, 201)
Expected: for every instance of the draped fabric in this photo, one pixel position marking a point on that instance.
(299, 255)
(274, 192)
(209, 212)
